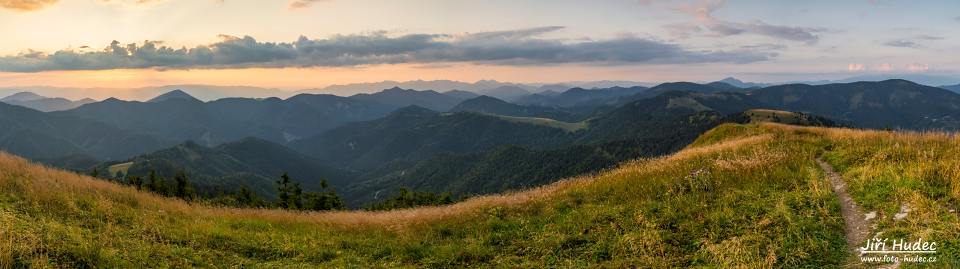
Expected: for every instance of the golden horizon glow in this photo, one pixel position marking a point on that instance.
(856, 34)
(318, 77)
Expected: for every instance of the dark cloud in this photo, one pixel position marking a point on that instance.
(520, 47)
(914, 42)
(26, 5)
(769, 47)
(704, 20)
(902, 43)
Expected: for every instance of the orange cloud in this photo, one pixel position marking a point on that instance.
(856, 67)
(918, 67)
(26, 5)
(884, 67)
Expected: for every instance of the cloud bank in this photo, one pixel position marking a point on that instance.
(705, 21)
(296, 4)
(26, 5)
(517, 47)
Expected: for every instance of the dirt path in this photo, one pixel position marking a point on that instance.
(856, 226)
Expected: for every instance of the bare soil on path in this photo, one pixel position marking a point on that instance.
(856, 226)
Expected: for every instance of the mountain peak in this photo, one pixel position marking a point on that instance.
(23, 96)
(413, 110)
(740, 83)
(731, 81)
(171, 95)
(485, 98)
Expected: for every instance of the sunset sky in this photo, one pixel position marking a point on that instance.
(304, 44)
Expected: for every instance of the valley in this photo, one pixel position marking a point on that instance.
(369, 146)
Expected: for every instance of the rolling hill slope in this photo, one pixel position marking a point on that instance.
(43, 136)
(491, 105)
(413, 133)
(892, 103)
(250, 162)
(740, 196)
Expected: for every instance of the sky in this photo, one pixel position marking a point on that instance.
(300, 44)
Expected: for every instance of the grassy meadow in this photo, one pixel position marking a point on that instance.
(568, 126)
(740, 196)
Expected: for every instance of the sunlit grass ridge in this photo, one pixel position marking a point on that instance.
(741, 195)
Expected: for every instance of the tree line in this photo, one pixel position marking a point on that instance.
(289, 194)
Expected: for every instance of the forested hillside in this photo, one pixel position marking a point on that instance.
(740, 196)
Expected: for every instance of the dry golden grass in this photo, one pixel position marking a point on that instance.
(51, 184)
(740, 196)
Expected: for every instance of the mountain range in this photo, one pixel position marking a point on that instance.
(741, 84)
(47, 136)
(897, 104)
(370, 145)
(400, 97)
(201, 92)
(42, 103)
(579, 96)
(475, 87)
(740, 196)
(176, 117)
(648, 127)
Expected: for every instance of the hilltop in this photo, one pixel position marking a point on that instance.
(741, 195)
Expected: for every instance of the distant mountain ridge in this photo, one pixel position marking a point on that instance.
(491, 105)
(43, 103)
(44, 136)
(388, 139)
(184, 118)
(201, 92)
(885, 104)
(399, 97)
(580, 97)
(475, 87)
(22, 96)
(507, 93)
(743, 85)
(173, 95)
(953, 88)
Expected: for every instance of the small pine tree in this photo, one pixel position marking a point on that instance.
(95, 173)
(324, 200)
(297, 196)
(183, 189)
(407, 198)
(135, 181)
(247, 198)
(156, 183)
(288, 193)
